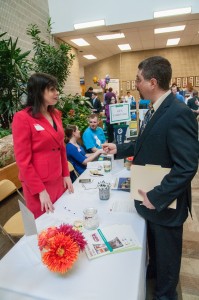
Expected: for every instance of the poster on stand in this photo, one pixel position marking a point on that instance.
(119, 113)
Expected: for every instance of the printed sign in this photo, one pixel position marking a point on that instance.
(119, 113)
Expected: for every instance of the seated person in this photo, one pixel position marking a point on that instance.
(93, 137)
(75, 153)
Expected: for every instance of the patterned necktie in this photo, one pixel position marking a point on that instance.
(147, 118)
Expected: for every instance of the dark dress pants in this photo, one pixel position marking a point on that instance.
(165, 251)
(110, 132)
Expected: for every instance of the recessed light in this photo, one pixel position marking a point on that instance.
(172, 42)
(172, 12)
(89, 24)
(169, 29)
(110, 36)
(80, 42)
(124, 47)
(89, 56)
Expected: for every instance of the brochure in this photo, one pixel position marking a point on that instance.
(122, 183)
(110, 239)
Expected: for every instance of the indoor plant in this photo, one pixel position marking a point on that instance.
(75, 110)
(50, 57)
(14, 71)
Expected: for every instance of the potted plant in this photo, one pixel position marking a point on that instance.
(14, 71)
(52, 58)
(75, 110)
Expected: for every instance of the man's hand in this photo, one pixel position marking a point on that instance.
(68, 183)
(46, 203)
(109, 148)
(146, 201)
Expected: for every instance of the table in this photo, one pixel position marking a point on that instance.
(115, 276)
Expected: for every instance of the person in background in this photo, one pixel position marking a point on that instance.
(96, 103)
(122, 99)
(39, 147)
(109, 95)
(89, 93)
(129, 98)
(93, 137)
(176, 93)
(193, 103)
(105, 91)
(110, 129)
(75, 153)
(166, 140)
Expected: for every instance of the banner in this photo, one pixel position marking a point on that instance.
(120, 133)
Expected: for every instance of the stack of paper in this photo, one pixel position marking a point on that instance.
(111, 239)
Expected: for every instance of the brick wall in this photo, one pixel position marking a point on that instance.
(16, 15)
(184, 60)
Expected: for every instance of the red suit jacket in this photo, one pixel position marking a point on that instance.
(39, 150)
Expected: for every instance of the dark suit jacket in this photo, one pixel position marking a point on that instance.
(170, 139)
(97, 106)
(89, 95)
(192, 104)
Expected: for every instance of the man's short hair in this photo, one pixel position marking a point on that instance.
(110, 89)
(159, 68)
(90, 88)
(93, 116)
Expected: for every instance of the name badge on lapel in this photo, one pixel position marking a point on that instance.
(38, 127)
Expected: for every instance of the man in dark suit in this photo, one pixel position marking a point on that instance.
(89, 93)
(169, 139)
(96, 103)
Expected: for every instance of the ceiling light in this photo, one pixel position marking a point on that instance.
(89, 24)
(80, 42)
(172, 42)
(172, 12)
(169, 29)
(89, 56)
(110, 36)
(124, 47)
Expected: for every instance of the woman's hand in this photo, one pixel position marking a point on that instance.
(100, 151)
(68, 183)
(109, 148)
(46, 203)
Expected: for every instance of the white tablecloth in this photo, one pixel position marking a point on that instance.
(116, 276)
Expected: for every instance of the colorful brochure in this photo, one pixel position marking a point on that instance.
(122, 183)
(110, 239)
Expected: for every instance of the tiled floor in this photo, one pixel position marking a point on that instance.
(189, 277)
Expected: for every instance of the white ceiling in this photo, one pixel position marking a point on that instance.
(140, 36)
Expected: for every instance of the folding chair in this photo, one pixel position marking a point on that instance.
(14, 226)
(73, 173)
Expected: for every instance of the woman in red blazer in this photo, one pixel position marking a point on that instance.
(39, 147)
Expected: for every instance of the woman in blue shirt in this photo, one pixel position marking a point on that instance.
(75, 153)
